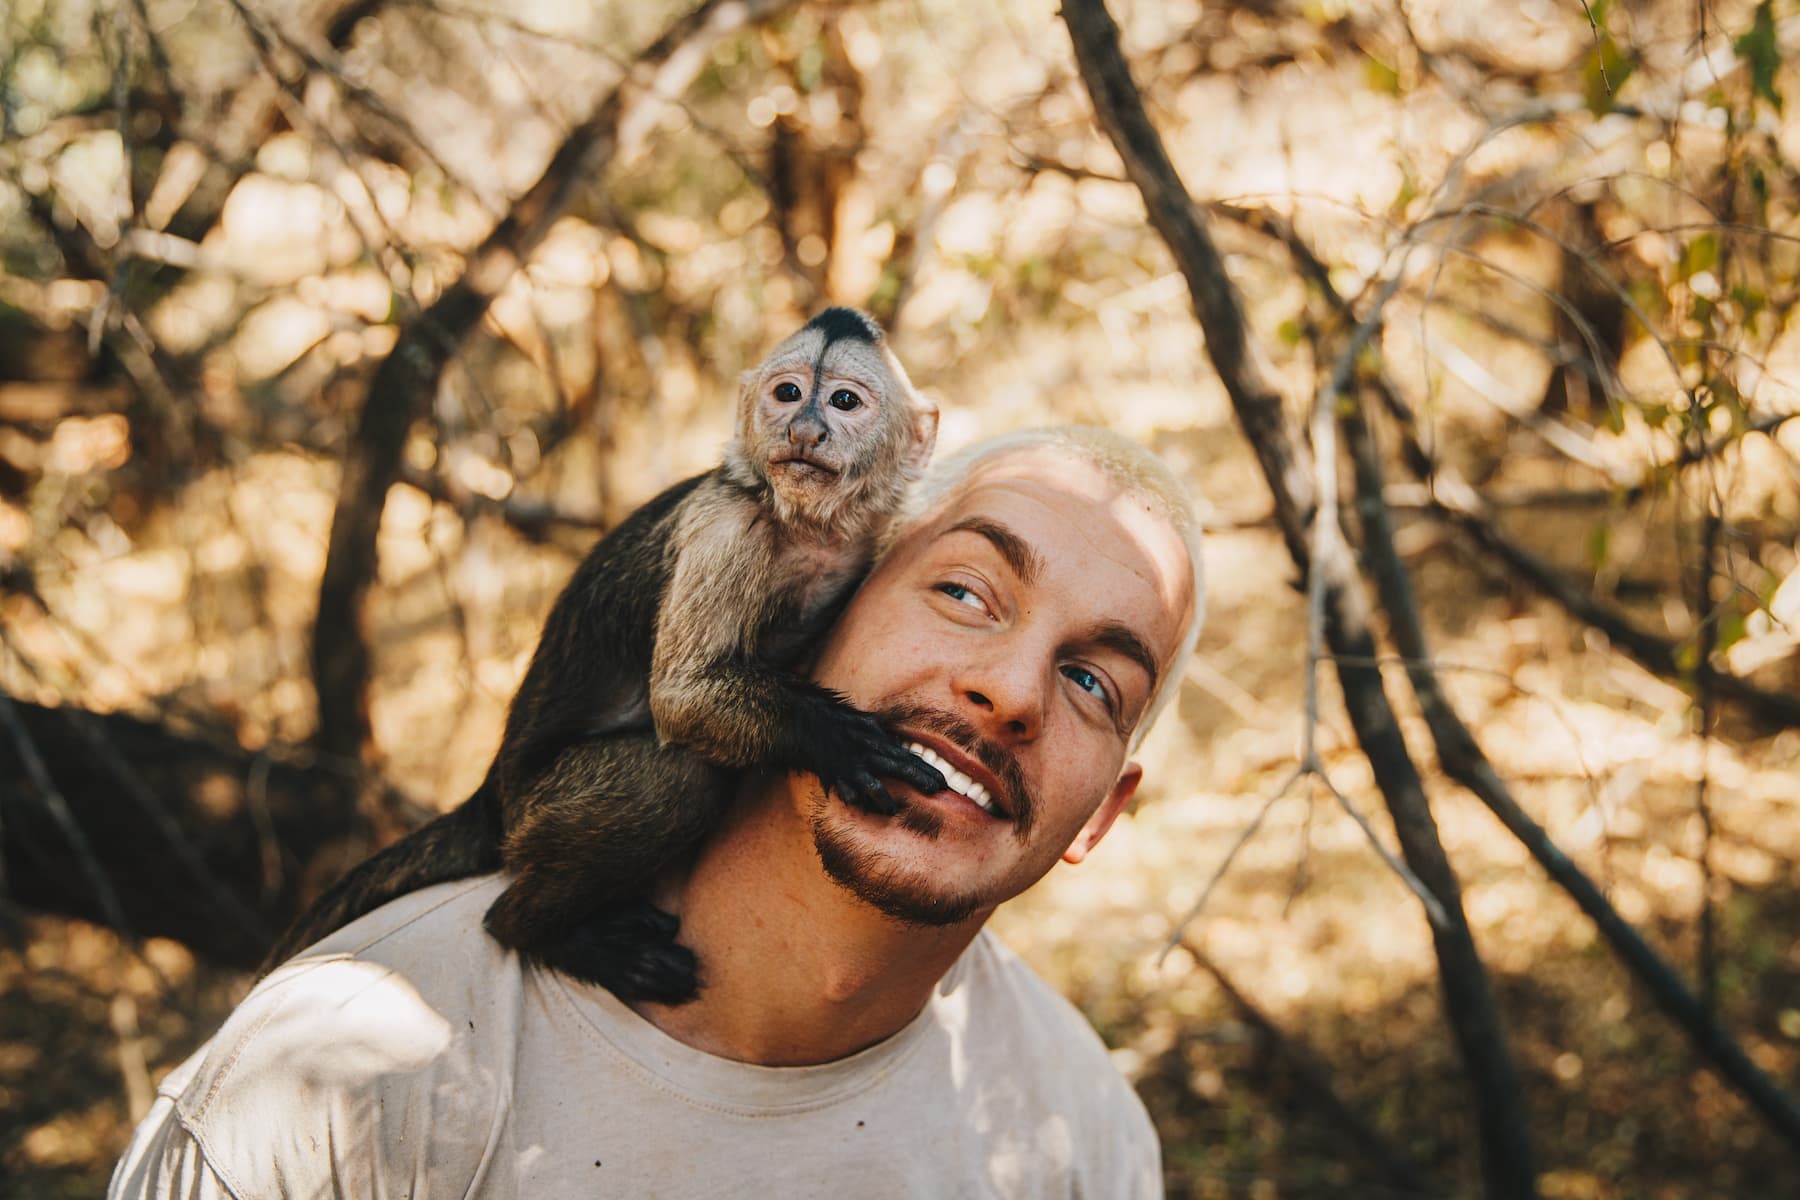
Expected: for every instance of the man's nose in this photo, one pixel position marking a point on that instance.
(1007, 692)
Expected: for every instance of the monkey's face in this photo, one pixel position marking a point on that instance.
(830, 420)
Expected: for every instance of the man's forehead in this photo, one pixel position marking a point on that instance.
(1083, 529)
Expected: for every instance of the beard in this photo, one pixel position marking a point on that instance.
(908, 897)
(913, 896)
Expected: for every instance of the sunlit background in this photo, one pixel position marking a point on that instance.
(217, 221)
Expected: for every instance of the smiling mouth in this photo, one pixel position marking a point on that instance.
(956, 781)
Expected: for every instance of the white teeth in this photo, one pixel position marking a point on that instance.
(956, 780)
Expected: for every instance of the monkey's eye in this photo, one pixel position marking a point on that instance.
(787, 393)
(845, 400)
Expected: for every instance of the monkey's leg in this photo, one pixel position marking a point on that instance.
(595, 830)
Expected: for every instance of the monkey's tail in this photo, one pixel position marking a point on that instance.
(464, 841)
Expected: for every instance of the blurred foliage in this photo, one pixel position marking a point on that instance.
(208, 244)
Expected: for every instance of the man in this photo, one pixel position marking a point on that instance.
(858, 1034)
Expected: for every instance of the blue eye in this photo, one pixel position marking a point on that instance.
(956, 591)
(1088, 682)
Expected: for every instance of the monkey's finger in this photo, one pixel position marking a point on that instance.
(911, 770)
(636, 921)
(863, 790)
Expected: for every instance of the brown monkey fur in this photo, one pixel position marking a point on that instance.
(665, 665)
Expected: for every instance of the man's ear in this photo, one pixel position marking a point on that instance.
(1122, 790)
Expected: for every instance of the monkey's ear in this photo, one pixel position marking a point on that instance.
(924, 436)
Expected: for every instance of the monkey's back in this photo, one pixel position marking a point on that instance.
(590, 674)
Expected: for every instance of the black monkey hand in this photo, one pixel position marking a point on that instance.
(850, 751)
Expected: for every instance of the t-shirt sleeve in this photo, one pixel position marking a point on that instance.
(166, 1162)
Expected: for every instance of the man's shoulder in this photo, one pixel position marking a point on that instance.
(1038, 1076)
(368, 1020)
(997, 973)
(1011, 1007)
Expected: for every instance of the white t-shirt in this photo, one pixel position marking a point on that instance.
(409, 1055)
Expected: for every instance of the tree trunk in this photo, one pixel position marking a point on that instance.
(198, 839)
(1468, 996)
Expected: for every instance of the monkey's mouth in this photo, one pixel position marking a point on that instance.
(801, 467)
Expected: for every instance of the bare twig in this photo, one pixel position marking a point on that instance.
(140, 794)
(1463, 760)
(1319, 1089)
(1599, 54)
(1454, 501)
(58, 808)
(408, 376)
(1468, 995)
(1462, 757)
(1243, 839)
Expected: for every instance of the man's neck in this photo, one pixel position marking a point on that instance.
(796, 969)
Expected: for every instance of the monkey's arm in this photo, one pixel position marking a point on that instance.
(710, 690)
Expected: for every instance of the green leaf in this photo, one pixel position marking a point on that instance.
(1382, 78)
(1762, 54)
(1603, 73)
(1409, 191)
(1599, 539)
(1732, 627)
(1750, 300)
(1701, 254)
(1703, 310)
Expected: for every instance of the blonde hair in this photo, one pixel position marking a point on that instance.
(1129, 466)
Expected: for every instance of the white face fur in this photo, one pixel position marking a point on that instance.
(830, 420)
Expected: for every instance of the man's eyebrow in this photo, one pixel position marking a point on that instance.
(1122, 640)
(1017, 552)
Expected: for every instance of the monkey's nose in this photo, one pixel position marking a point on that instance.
(806, 434)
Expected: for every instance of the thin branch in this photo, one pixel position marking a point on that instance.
(1462, 757)
(1319, 1089)
(408, 376)
(1451, 499)
(1463, 760)
(1468, 994)
(140, 794)
(58, 808)
(1243, 839)
(1599, 54)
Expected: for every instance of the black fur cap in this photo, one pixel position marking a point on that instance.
(846, 324)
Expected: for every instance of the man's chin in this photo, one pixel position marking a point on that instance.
(879, 881)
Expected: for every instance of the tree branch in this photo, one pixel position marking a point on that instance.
(183, 850)
(1462, 757)
(1463, 760)
(1319, 1090)
(1468, 996)
(407, 378)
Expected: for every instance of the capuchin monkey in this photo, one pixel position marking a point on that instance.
(666, 666)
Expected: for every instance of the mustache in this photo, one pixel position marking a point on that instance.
(1015, 797)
